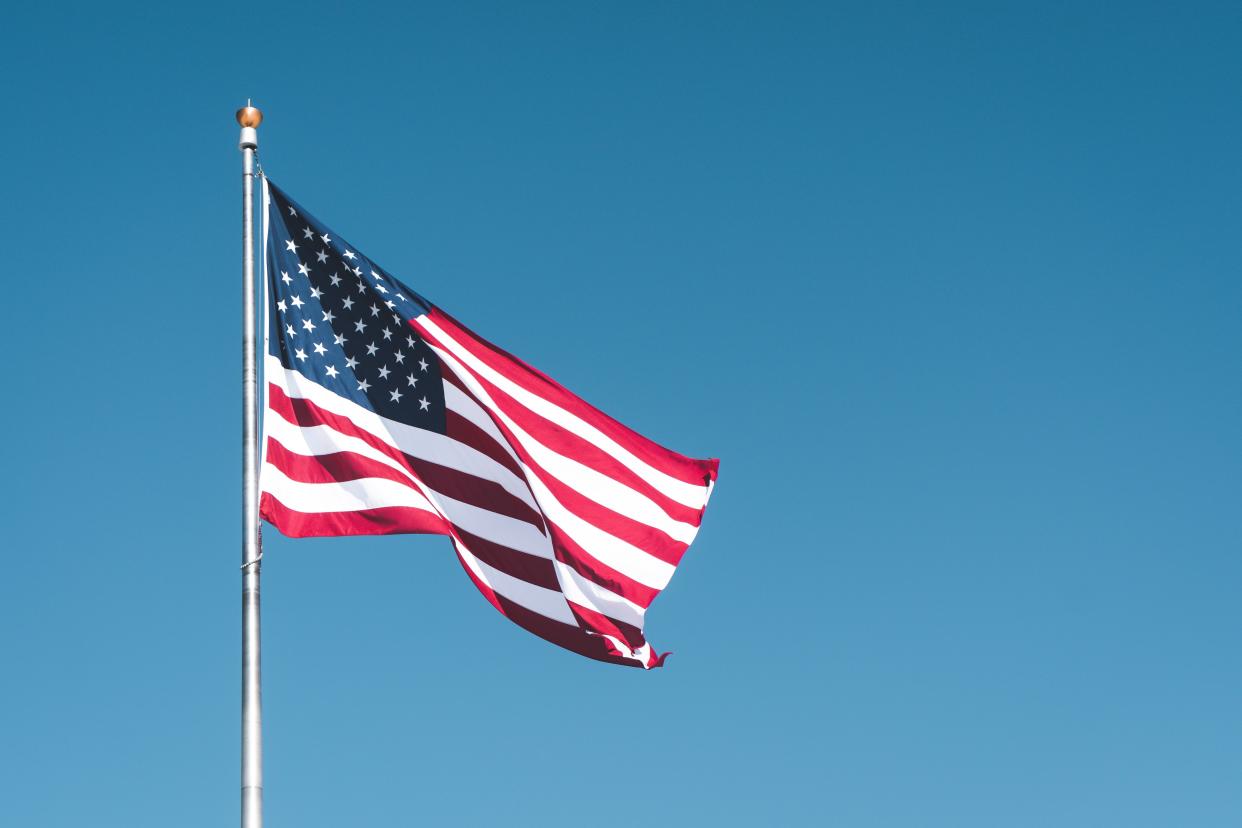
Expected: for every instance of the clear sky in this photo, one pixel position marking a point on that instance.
(953, 290)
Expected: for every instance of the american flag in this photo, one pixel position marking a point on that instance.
(385, 415)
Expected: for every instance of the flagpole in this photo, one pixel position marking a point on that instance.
(252, 550)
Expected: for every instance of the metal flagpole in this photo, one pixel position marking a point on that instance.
(252, 551)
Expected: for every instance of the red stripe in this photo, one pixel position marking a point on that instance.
(344, 466)
(651, 540)
(338, 467)
(511, 367)
(389, 520)
(564, 635)
(459, 485)
(577, 558)
(464, 431)
(572, 446)
(600, 623)
(487, 592)
(573, 639)
(521, 565)
(573, 554)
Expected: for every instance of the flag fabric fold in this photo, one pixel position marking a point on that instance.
(385, 415)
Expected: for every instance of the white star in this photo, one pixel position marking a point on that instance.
(412, 380)
(424, 404)
(316, 292)
(380, 288)
(399, 356)
(371, 349)
(422, 365)
(292, 212)
(300, 354)
(390, 304)
(338, 339)
(409, 340)
(328, 316)
(297, 301)
(374, 310)
(321, 256)
(395, 394)
(325, 238)
(348, 303)
(364, 386)
(286, 278)
(309, 325)
(399, 296)
(319, 349)
(293, 248)
(331, 371)
(351, 362)
(396, 319)
(306, 231)
(290, 330)
(358, 272)
(387, 334)
(384, 372)
(282, 306)
(336, 280)
(303, 269)
(349, 254)
(360, 326)
(362, 287)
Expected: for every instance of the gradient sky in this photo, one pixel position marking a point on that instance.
(953, 290)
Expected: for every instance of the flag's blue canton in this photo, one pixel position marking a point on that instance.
(343, 322)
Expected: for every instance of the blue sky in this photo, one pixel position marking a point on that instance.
(952, 290)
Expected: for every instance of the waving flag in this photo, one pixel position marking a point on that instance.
(385, 415)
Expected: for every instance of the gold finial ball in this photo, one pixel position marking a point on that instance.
(249, 116)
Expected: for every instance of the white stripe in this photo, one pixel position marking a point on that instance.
(322, 439)
(349, 496)
(546, 602)
(457, 400)
(316, 440)
(493, 526)
(616, 553)
(599, 487)
(608, 549)
(418, 442)
(593, 596)
(689, 494)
